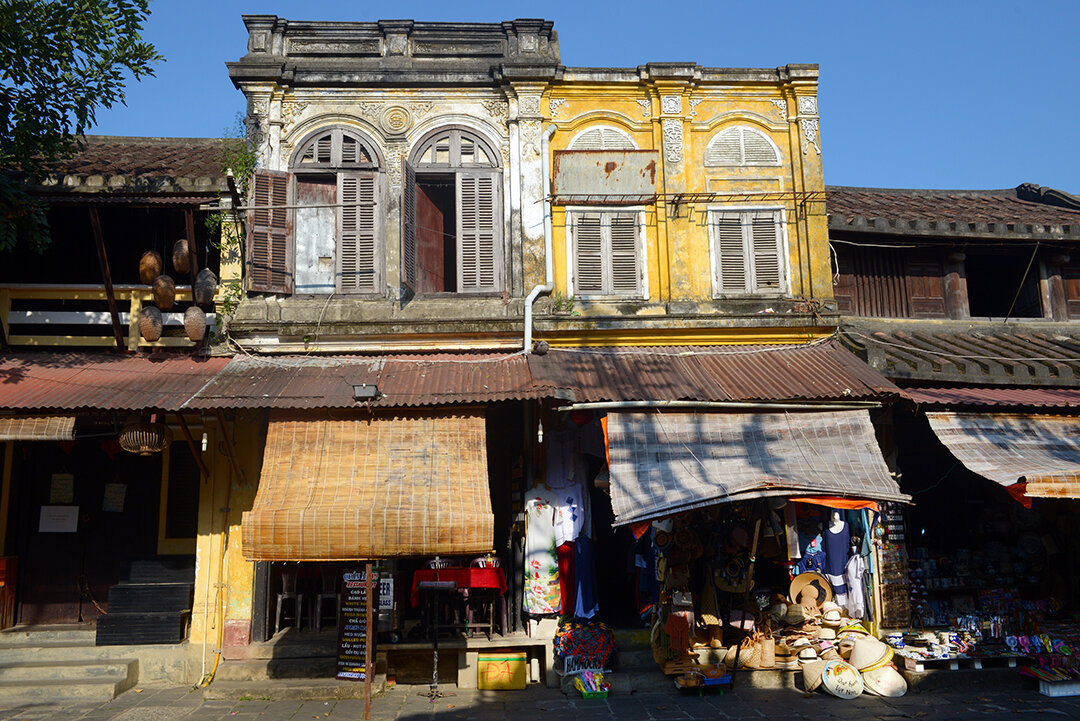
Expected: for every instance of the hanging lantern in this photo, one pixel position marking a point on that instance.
(149, 267)
(164, 292)
(205, 287)
(150, 323)
(181, 258)
(195, 323)
(143, 436)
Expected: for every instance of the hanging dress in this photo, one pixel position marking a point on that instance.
(542, 593)
(837, 549)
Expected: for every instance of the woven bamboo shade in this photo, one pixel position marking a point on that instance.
(37, 428)
(394, 485)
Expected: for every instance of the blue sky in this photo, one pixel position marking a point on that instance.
(913, 94)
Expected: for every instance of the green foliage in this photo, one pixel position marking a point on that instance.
(60, 61)
(240, 152)
(562, 303)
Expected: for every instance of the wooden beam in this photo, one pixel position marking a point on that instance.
(195, 451)
(229, 447)
(106, 278)
(192, 244)
(5, 492)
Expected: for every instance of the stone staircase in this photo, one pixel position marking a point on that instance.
(60, 663)
(151, 604)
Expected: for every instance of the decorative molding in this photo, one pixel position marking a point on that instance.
(646, 107)
(671, 104)
(396, 120)
(258, 108)
(694, 102)
(421, 108)
(371, 111)
(781, 107)
(673, 133)
(530, 139)
(809, 128)
(495, 108)
(290, 111)
(556, 104)
(807, 105)
(395, 152)
(529, 105)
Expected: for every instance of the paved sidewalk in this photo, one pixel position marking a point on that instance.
(405, 703)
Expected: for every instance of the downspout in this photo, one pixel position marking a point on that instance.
(549, 269)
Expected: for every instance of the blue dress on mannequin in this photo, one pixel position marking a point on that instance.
(837, 541)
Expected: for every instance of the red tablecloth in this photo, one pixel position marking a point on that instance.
(463, 577)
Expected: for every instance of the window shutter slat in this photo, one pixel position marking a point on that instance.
(765, 242)
(731, 254)
(725, 149)
(269, 258)
(602, 139)
(588, 253)
(625, 270)
(478, 231)
(357, 261)
(408, 226)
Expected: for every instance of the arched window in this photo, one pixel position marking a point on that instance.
(602, 138)
(741, 146)
(452, 215)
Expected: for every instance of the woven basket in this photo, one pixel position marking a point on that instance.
(181, 258)
(205, 287)
(150, 323)
(195, 324)
(149, 267)
(141, 436)
(164, 289)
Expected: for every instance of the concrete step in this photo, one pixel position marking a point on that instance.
(54, 651)
(81, 669)
(73, 634)
(304, 690)
(316, 667)
(80, 682)
(632, 639)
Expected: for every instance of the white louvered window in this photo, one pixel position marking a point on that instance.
(741, 146)
(336, 226)
(747, 252)
(606, 253)
(602, 138)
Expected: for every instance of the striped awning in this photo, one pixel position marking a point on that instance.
(665, 463)
(37, 428)
(365, 487)
(1041, 452)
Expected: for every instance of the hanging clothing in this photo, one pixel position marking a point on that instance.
(837, 543)
(813, 557)
(571, 512)
(542, 593)
(565, 554)
(587, 602)
(854, 573)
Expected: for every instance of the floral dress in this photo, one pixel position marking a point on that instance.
(542, 589)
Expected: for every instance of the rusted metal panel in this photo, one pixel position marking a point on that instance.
(326, 381)
(69, 381)
(605, 177)
(1008, 397)
(820, 372)
(1011, 448)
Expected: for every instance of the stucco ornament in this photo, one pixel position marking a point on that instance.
(395, 152)
(673, 147)
(671, 104)
(529, 105)
(291, 111)
(530, 139)
(371, 111)
(807, 105)
(396, 120)
(555, 104)
(809, 127)
(781, 107)
(646, 107)
(694, 102)
(495, 108)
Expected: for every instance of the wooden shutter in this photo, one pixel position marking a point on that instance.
(357, 250)
(725, 149)
(588, 254)
(757, 150)
(731, 260)
(625, 260)
(926, 287)
(270, 251)
(765, 246)
(478, 223)
(408, 226)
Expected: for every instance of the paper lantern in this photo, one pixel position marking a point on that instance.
(149, 267)
(150, 323)
(195, 323)
(205, 287)
(164, 292)
(181, 258)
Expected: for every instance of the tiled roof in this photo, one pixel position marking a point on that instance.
(1024, 212)
(960, 352)
(116, 164)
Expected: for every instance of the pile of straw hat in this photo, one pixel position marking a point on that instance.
(874, 660)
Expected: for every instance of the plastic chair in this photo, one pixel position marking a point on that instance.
(289, 592)
(327, 590)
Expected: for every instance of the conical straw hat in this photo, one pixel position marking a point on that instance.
(869, 653)
(885, 681)
(811, 675)
(841, 680)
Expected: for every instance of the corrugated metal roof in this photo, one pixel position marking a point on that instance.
(1003, 397)
(960, 352)
(102, 381)
(822, 371)
(403, 380)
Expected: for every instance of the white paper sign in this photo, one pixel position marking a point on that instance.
(59, 519)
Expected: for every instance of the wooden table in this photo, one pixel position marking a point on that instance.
(466, 578)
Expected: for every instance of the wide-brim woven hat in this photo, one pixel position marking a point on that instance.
(811, 580)
(841, 680)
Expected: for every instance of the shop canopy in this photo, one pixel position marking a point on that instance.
(1041, 453)
(371, 486)
(37, 428)
(663, 463)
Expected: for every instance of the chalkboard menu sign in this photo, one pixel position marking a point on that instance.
(359, 597)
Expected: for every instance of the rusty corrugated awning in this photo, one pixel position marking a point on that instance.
(1063, 398)
(362, 488)
(1041, 451)
(37, 428)
(665, 463)
(402, 380)
(103, 381)
(822, 371)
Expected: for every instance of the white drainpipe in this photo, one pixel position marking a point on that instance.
(549, 270)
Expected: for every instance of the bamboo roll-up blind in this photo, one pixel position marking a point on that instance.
(386, 486)
(37, 428)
